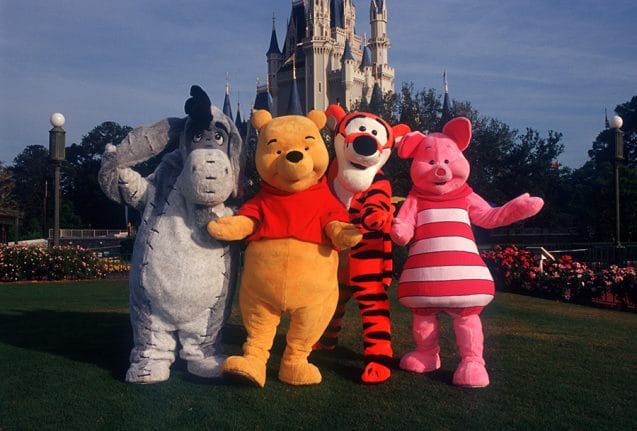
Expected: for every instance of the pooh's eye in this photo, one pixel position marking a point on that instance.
(307, 148)
(279, 152)
(197, 137)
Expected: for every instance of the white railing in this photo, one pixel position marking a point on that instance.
(90, 233)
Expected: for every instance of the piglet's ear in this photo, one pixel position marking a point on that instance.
(459, 129)
(334, 114)
(409, 144)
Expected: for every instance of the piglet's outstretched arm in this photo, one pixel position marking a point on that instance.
(520, 208)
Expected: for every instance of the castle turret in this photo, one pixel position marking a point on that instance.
(379, 45)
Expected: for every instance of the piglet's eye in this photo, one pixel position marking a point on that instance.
(447, 162)
(431, 162)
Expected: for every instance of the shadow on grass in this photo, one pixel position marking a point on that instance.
(100, 338)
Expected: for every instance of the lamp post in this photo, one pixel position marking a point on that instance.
(56, 154)
(616, 123)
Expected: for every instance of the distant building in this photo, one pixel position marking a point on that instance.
(324, 61)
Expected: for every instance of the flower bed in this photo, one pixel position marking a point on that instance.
(54, 263)
(520, 271)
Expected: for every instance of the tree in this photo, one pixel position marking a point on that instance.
(593, 199)
(82, 165)
(7, 186)
(30, 173)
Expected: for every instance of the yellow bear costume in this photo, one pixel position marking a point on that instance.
(295, 227)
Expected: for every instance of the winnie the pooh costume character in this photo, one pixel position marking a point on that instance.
(294, 227)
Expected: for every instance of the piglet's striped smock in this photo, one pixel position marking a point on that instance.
(444, 267)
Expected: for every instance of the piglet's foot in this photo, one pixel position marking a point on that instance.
(299, 373)
(209, 367)
(471, 374)
(148, 371)
(420, 362)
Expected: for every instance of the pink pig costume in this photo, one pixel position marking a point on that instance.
(444, 272)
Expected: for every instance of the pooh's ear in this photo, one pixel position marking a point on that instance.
(334, 114)
(260, 118)
(399, 131)
(317, 117)
(459, 129)
(409, 144)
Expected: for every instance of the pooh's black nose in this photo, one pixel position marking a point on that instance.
(294, 156)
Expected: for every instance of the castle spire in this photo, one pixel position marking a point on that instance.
(227, 108)
(446, 108)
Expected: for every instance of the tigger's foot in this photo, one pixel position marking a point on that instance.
(375, 373)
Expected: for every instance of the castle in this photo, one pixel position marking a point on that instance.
(324, 61)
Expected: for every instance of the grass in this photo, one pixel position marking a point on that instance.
(64, 350)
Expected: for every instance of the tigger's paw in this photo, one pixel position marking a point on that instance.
(375, 373)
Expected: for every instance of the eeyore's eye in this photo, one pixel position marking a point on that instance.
(197, 137)
(219, 138)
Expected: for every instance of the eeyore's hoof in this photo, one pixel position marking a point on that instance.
(208, 368)
(148, 371)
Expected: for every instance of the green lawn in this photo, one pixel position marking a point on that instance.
(64, 350)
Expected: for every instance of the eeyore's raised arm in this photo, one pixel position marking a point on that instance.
(140, 145)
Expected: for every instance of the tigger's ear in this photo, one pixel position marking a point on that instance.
(334, 113)
(399, 131)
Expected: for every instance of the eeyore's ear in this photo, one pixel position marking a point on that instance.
(198, 107)
(235, 150)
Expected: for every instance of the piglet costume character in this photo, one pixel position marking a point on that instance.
(444, 272)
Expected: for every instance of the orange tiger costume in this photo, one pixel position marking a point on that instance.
(363, 142)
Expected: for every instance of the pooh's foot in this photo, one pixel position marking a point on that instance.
(208, 368)
(246, 368)
(420, 362)
(375, 373)
(299, 373)
(471, 374)
(148, 371)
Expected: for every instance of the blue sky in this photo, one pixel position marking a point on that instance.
(548, 65)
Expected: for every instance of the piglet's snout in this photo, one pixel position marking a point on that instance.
(441, 172)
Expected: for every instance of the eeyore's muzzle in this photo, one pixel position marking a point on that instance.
(207, 177)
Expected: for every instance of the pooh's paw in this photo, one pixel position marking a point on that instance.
(231, 228)
(343, 235)
(299, 373)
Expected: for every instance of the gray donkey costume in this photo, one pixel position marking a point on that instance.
(181, 280)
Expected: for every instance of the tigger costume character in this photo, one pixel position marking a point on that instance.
(363, 143)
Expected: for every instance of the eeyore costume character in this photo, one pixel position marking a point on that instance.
(181, 280)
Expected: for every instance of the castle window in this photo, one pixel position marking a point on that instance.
(320, 87)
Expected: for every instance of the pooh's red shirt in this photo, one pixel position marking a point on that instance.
(301, 215)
